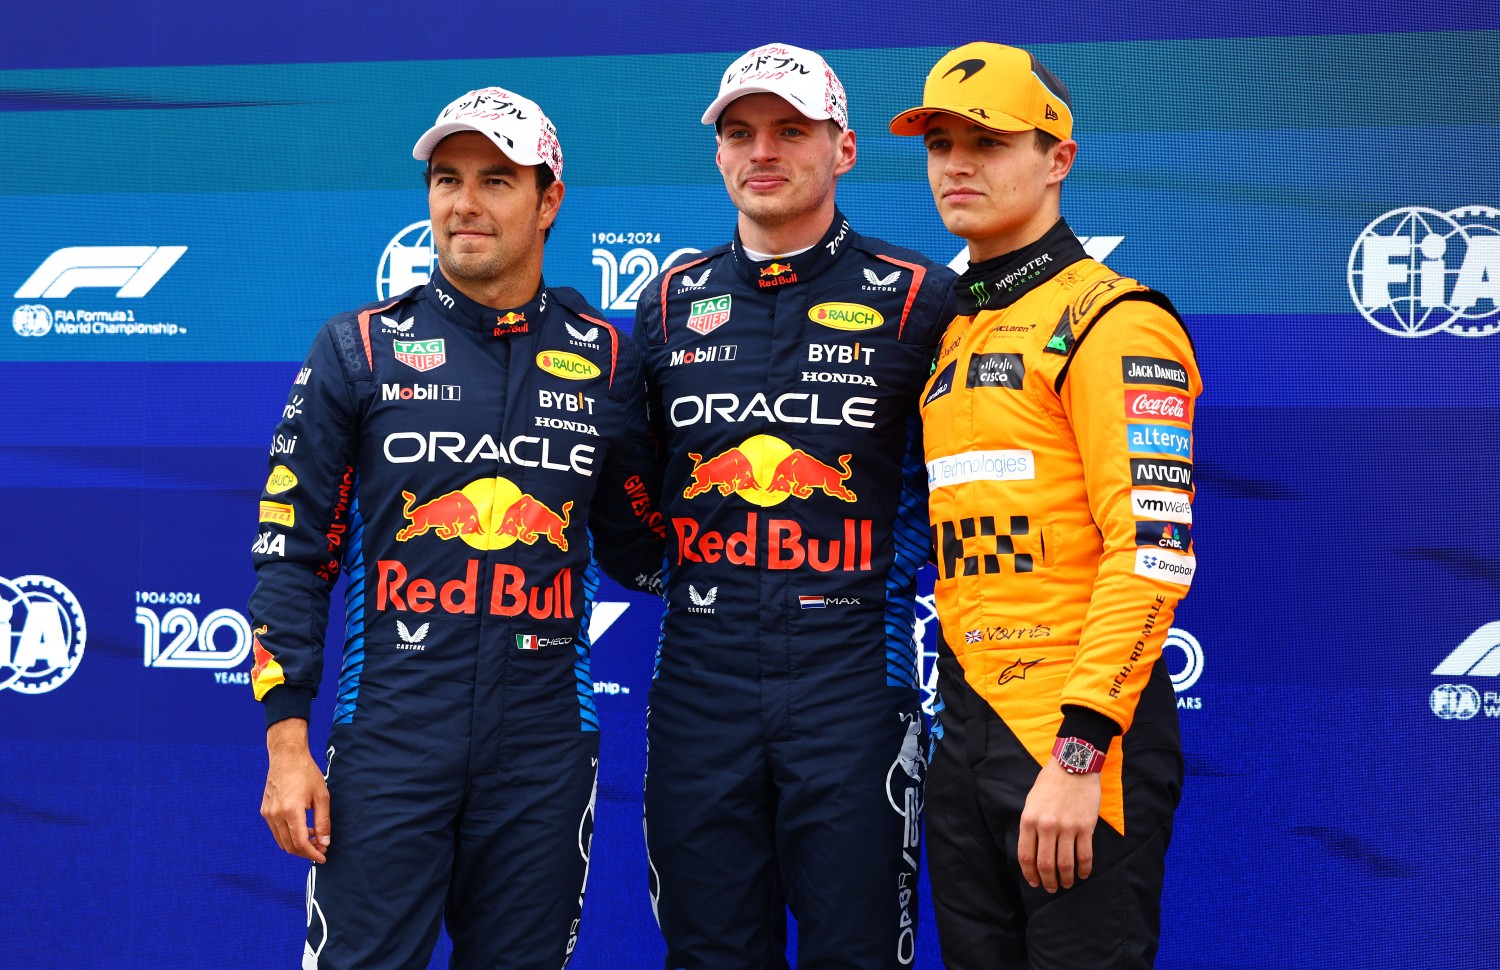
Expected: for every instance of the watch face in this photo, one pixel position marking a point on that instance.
(1075, 755)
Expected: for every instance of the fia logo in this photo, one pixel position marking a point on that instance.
(408, 261)
(42, 634)
(1415, 271)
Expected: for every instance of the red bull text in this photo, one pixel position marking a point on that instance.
(783, 542)
(509, 592)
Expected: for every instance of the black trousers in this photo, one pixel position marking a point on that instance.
(987, 915)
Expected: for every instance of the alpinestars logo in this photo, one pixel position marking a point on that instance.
(702, 603)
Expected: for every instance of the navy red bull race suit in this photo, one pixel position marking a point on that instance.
(462, 465)
(785, 729)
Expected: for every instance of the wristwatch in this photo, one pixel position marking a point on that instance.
(1077, 756)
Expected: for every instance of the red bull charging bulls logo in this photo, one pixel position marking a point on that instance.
(765, 470)
(490, 513)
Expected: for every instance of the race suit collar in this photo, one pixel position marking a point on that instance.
(794, 269)
(473, 315)
(1003, 280)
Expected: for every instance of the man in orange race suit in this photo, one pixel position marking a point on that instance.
(1058, 437)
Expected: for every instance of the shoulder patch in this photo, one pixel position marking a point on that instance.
(1062, 339)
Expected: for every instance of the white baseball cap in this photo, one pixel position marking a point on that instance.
(515, 124)
(800, 76)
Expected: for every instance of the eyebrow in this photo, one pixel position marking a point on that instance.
(505, 170)
(791, 120)
(940, 130)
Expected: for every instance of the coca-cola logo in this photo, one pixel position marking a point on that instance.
(1156, 404)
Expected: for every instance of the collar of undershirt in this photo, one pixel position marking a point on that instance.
(1002, 280)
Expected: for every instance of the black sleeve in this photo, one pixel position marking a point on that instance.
(626, 520)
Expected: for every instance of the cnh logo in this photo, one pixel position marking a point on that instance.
(133, 270)
(1416, 271)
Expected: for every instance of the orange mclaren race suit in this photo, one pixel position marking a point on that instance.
(1058, 437)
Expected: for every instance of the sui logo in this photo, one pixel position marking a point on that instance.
(1416, 271)
(408, 261)
(42, 634)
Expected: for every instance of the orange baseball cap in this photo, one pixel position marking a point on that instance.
(994, 86)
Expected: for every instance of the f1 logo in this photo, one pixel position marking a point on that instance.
(134, 269)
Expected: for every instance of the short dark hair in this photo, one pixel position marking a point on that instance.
(544, 178)
(1045, 141)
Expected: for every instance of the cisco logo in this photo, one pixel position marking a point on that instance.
(1415, 272)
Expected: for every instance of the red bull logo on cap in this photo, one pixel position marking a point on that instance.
(490, 513)
(765, 470)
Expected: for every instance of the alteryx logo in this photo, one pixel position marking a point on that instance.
(1159, 439)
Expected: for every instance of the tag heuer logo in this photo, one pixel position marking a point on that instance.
(710, 314)
(420, 354)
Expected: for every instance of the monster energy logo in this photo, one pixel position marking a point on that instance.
(981, 293)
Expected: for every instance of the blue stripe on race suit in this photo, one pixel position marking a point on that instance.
(661, 625)
(588, 714)
(910, 536)
(936, 734)
(354, 615)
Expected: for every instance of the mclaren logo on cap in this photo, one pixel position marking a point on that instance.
(970, 67)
